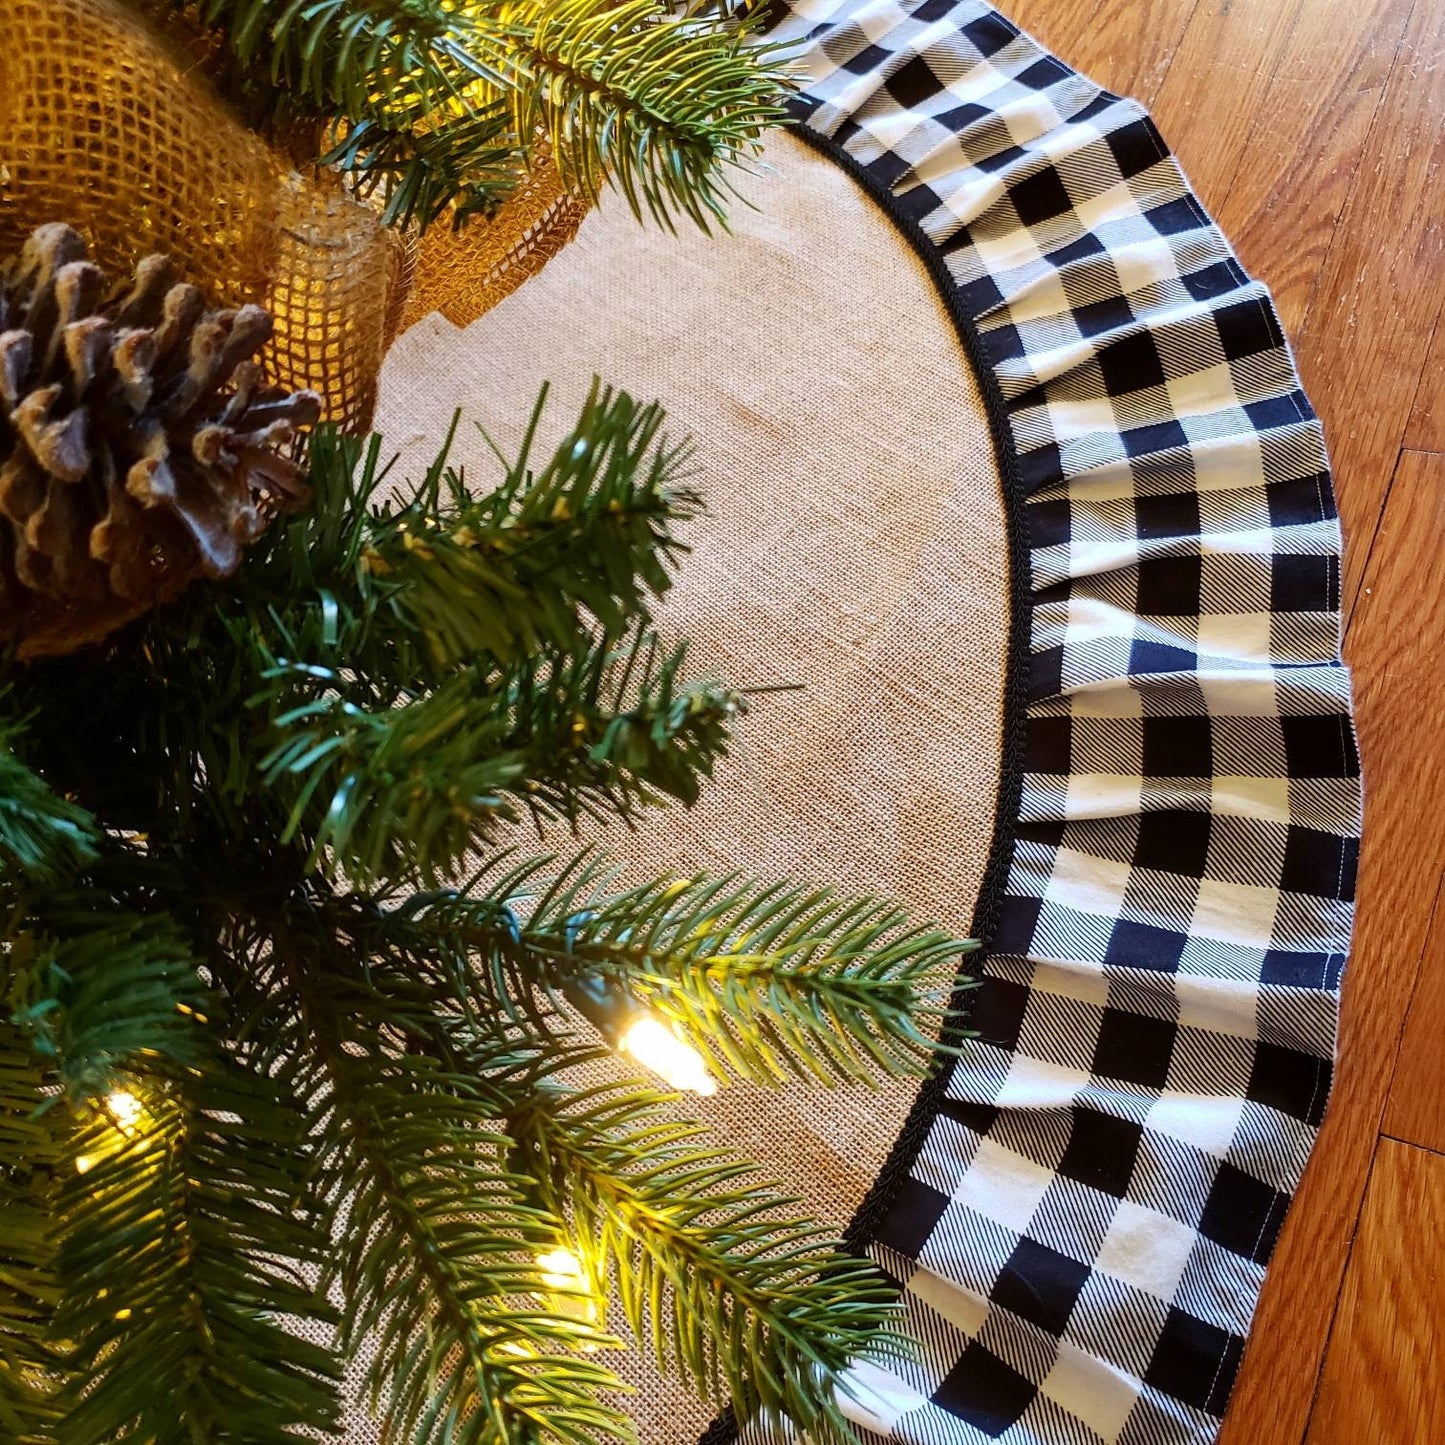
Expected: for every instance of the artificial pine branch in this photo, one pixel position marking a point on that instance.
(591, 530)
(604, 81)
(41, 835)
(100, 984)
(330, 1077)
(176, 1184)
(435, 1238)
(704, 1260)
(779, 983)
(442, 106)
(182, 1247)
(31, 1153)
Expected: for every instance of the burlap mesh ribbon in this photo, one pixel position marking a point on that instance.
(108, 122)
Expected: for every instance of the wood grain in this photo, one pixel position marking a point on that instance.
(1416, 1112)
(1128, 45)
(1054, 25)
(1284, 203)
(1218, 86)
(1426, 429)
(1373, 315)
(1400, 681)
(1384, 1380)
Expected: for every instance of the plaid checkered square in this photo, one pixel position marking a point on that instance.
(1082, 1233)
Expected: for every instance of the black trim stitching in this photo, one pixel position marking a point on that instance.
(914, 1132)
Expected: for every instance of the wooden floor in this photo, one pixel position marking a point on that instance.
(1315, 132)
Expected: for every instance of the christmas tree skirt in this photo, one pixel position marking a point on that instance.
(1009, 468)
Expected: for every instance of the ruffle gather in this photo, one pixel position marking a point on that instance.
(1081, 1208)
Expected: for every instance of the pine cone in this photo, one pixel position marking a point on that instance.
(139, 448)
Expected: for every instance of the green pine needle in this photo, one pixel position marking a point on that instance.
(440, 106)
(31, 1151)
(706, 1262)
(41, 835)
(778, 983)
(181, 1250)
(246, 1064)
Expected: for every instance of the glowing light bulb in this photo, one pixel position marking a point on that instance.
(561, 1269)
(125, 1110)
(656, 1047)
(563, 1274)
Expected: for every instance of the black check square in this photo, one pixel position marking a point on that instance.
(1289, 1080)
(1174, 841)
(1095, 318)
(1050, 523)
(989, 34)
(1297, 584)
(1174, 515)
(1195, 1362)
(1040, 1285)
(1136, 147)
(1048, 744)
(1319, 747)
(915, 83)
(1170, 586)
(1040, 197)
(1142, 945)
(1149, 654)
(911, 1217)
(1246, 328)
(1101, 1151)
(1243, 1213)
(1319, 863)
(1131, 364)
(1134, 1048)
(1178, 747)
(997, 1015)
(985, 1392)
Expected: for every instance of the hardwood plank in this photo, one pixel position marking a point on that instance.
(1425, 430)
(1416, 1111)
(1400, 680)
(1281, 211)
(1126, 45)
(1383, 1378)
(1372, 317)
(1212, 98)
(1055, 25)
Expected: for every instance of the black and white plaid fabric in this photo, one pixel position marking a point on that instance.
(1082, 1222)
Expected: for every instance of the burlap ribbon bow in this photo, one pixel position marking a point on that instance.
(109, 122)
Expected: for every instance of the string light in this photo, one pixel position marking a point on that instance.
(633, 1030)
(125, 1111)
(560, 1269)
(657, 1047)
(566, 1281)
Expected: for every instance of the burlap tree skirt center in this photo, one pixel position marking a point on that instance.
(854, 545)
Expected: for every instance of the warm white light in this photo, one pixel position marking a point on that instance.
(561, 1269)
(571, 1296)
(125, 1110)
(83, 1163)
(656, 1047)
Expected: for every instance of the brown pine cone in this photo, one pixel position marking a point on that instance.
(139, 448)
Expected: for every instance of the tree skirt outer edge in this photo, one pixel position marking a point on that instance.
(1081, 1207)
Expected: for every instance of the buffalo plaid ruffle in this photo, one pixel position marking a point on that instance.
(1082, 1219)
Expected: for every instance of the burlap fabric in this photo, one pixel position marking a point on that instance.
(108, 122)
(854, 544)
